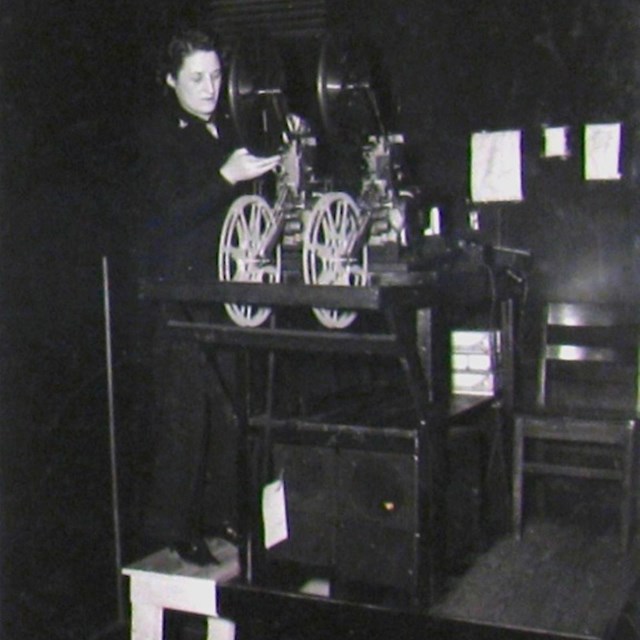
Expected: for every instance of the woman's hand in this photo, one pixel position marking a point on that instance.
(242, 165)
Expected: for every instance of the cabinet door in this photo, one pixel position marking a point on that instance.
(378, 524)
(310, 480)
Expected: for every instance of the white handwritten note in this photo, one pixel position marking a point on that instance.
(496, 173)
(602, 151)
(555, 142)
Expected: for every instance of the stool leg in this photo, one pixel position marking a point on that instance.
(146, 622)
(220, 629)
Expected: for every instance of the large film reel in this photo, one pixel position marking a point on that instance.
(248, 253)
(347, 101)
(334, 252)
(256, 95)
(248, 250)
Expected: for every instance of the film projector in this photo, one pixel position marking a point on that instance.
(354, 492)
(364, 499)
(304, 230)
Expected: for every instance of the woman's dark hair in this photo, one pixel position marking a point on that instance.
(184, 43)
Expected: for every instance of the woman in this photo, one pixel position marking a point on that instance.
(189, 172)
(189, 166)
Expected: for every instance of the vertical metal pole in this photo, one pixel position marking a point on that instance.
(112, 439)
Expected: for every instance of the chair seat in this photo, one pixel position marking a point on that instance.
(572, 471)
(603, 428)
(464, 405)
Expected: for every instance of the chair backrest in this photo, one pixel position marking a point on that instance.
(589, 357)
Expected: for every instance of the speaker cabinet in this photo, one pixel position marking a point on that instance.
(378, 523)
(359, 512)
(354, 512)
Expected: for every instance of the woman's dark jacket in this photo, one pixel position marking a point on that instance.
(182, 198)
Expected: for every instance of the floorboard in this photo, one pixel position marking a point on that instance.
(557, 579)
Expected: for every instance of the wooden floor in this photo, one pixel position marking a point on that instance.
(558, 579)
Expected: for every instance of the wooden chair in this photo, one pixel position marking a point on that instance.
(587, 404)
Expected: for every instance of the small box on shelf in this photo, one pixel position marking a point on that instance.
(474, 356)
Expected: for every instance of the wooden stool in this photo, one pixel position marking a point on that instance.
(164, 581)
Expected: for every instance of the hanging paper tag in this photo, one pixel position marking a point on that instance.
(274, 513)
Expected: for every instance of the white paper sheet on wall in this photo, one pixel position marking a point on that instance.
(602, 151)
(555, 142)
(496, 161)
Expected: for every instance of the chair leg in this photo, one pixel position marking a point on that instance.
(539, 452)
(628, 489)
(635, 482)
(517, 481)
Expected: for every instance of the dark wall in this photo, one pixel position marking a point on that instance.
(66, 78)
(465, 66)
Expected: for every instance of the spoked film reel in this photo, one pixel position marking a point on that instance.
(334, 252)
(256, 95)
(247, 254)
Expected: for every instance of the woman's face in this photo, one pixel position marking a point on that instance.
(197, 84)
